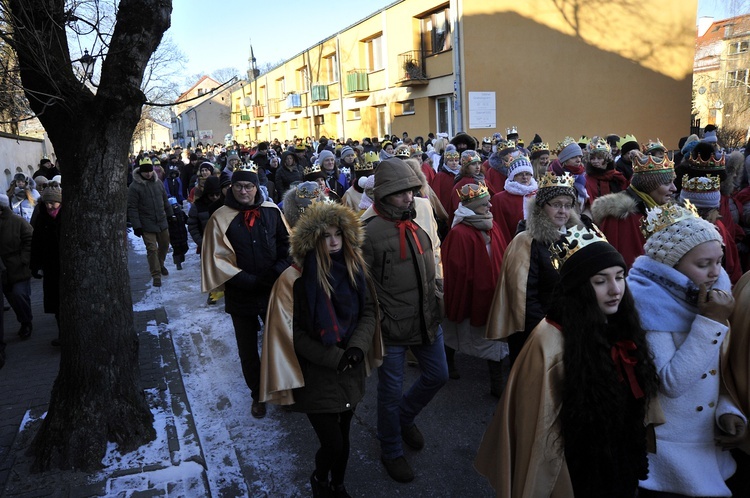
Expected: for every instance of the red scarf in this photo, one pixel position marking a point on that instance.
(250, 216)
(623, 361)
(575, 170)
(402, 226)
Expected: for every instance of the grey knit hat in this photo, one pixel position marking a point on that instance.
(570, 151)
(670, 242)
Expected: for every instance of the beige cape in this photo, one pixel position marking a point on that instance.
(508, 311)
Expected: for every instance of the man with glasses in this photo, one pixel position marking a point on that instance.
(245, 248)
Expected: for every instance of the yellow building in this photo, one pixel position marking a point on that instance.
(480, 66)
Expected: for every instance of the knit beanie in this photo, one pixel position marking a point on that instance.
(629, 143)
(582, 253)
(519, 164)
(52, 194)
(690, 144)
(208, 166)
(232, 154)
(702, 191)
(710, 137)
(246, 173)
(650, 174)
(570, 151)
(346, 151)
(669, 244)
(325, 154)
(469, 157)
(472, 195)
(211, 186)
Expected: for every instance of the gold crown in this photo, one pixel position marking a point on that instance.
(651, 146)
(305, 192)
(249, 167)
(712, 163)
(538, 147)
(627, 138)
(473, 191)
(451, 154)
(652, 164)
(550, 179)
(505, 144)
(368, 161)
(660, 217)
(415, 149)
(598, 144)
(574, 240)
(403, 151)
(703, 184)
(564, 143)
(313, 168)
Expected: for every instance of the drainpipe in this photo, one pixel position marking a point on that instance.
(457, 67)
(341, 87)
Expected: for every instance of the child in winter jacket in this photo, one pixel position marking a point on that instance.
(178, 238)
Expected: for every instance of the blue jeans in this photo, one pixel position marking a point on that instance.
(395, 409)
(19, 298)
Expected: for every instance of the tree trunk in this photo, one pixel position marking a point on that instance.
(97, 396)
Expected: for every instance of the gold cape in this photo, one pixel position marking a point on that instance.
(739, 351)
(218, 260)
(280, 371)
(426, 221)
(508, 311)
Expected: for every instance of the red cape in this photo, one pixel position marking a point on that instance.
(507, 210)
(625, 235)
(469, 275)
(735, 231)
(731, 256)
(442, 185)
(495, 180)
(599, 185)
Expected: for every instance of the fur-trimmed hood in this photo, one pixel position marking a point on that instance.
(314, 222)
(619, 205)
(464, 138)
(540, 226)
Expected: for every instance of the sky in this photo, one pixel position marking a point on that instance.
(220, 37)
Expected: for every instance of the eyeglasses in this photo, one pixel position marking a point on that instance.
(559, 205)
(243, 187)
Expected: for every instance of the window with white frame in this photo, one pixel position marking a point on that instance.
(736, 78)
(303, 78)
(436, 31)
(374, 52)
(280, 87)
(331, 68)
(407, 106)
(739, 47)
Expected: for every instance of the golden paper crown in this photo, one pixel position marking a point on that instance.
(651, 146)
(538, 147)
(584, 140)
(598, 144)
(564, 143)
(403, 152)
(652, 164)
(472, 191)
(368, 161)
(303, 192)
(711, 164)
(314, 168)
(550, 179)
(702, 184)
(505, 144)
(573, 241)
(451, 154)
(249, 167)
(415, 149)
(660, 217)
(627, 138)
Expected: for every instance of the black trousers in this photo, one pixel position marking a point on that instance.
(246, 332)
(332, 430)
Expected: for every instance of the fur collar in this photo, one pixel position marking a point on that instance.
(313, 223)
(619, 205)
(540, 227)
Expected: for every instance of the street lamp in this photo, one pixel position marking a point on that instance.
(87, 63)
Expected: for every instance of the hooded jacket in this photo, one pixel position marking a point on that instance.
(148, 204)
(404, 269)
(15, 246)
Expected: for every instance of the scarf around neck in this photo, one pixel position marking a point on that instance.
(516, 188)
(482, 222)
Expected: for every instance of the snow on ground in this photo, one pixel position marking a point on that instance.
(239, 450)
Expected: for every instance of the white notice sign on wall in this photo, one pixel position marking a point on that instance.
(482, 110)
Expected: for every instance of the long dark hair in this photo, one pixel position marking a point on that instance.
(601, 421)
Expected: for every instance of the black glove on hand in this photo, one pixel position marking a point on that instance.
(343, 363)
(355, 356)
(138, 232)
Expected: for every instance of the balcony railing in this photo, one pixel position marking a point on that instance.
(258, 111)
(356, 81)
(412, 66)
(245, 117)
(293, 100)
(274, 107)
(319, 92)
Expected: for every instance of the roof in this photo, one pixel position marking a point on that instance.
(187, 92)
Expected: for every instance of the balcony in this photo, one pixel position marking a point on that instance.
(258, 112)
(357, 82)
(294, 101)
(274, 107)
(319, 94)
(412, 67)
(244, 117)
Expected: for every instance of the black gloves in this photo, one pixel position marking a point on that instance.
(352, 357)
(138, 232)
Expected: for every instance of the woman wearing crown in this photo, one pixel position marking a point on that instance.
(602, 177)
(571, 421)
(508, 205)
(619, 215)
(683, 298)
(527, 277)
(472, 255)
(469, 174)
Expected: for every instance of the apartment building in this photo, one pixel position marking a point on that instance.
(481, 66)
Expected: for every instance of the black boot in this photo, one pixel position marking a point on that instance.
(339, 491)
(25, 331)
(320, 489)
(499, 371)
(450, 353)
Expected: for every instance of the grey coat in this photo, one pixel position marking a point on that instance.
(148, 207)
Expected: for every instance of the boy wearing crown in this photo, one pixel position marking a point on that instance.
(245, 249)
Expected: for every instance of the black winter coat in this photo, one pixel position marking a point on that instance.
(198, 216)
(45, 255)
(178, 237)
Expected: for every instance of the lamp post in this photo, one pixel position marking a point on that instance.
(87, 63)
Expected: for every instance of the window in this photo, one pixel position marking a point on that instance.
(354, 115)
(331, 68)
(443, 108)
(382, 122)
(736, 78)
(374, 51)
(436, 32)
(738, 47)
(280, 87)
(302, 79)
(714, 87)
(319, 119)
(407, 106)
(201, 91)
(293, 124)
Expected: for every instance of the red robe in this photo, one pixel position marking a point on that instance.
(469, 274)
(442, 185)
(603, 184)
(625, 235)
(731, 256)
(507, 210)
(495, 180)
(735, 231)
(429, 173)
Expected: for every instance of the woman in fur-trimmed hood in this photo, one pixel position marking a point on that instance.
(334, 325)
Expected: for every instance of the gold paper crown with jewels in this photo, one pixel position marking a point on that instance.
(564, 143)
(538, 147)
(474, 191)
(505, 144)
(652, 146)
(598, 144)
(249, 167)
(403, 152)
(702, 184)
(550, 179)
(660, 217)
(451, 154)
(367, 162)
(573, 241)
(711, 164)
(314, 168)
(304, 192)
(652, 164)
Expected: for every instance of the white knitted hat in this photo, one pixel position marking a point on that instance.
(671, 243)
